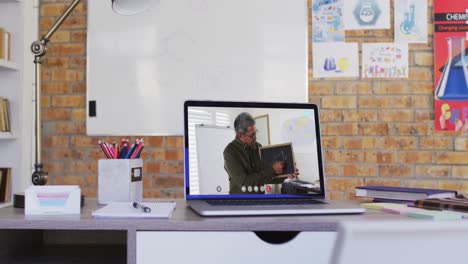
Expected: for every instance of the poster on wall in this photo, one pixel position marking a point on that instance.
(410, 21)
(335, 59)
(450, 65)
(367, 14)
(384, 60)
(327, 21)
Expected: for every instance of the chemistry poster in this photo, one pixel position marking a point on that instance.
(384, 60)
(367, 14)
(450, 65)
(410, 21)
(335, 59)
(327, 21)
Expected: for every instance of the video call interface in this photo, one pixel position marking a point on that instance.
(277, 156)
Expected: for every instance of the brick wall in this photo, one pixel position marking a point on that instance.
(374, 131)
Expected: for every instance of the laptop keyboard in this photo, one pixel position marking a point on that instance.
(262, 202)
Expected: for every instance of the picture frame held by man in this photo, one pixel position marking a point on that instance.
(279, 152)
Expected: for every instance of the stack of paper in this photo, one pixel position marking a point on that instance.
(126, 210)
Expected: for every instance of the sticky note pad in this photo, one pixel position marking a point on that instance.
(380, 206)
(435, 215)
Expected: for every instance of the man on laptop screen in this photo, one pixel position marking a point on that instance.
(243, 163)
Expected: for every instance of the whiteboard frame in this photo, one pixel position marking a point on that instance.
(140, 69)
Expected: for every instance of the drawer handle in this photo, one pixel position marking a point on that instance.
(276, 237)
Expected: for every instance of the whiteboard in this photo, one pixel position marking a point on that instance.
(211, 142)
(141, 68)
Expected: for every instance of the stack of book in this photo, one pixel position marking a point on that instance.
(5, 47)
(402, 194)
(4, 115)
(5, 185)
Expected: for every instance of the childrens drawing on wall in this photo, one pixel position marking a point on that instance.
(410, 21)
(450, 65)
(384, 60)
(327, 21)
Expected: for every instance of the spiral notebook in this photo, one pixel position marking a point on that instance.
(126, 210)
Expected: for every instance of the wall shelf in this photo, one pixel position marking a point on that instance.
(6, 135)
(8, 65)
(3, 205)
(16, 77)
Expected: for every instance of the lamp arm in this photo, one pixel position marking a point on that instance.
(62, 18)
(39, 49)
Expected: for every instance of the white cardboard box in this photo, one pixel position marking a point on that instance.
(52, 199)
(120, 180)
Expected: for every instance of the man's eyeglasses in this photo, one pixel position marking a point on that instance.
(252, 135)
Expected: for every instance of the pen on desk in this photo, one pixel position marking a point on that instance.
(145, 209)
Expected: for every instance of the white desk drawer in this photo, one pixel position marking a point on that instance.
(230, 247)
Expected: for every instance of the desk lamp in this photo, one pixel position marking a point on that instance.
(39, 49)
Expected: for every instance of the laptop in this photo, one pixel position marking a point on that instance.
(274, 167)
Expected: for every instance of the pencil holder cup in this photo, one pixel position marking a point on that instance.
(120, 180)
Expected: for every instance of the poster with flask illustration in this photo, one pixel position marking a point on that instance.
(450, 65)
(410, 21)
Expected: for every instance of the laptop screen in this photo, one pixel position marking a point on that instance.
(252, 150)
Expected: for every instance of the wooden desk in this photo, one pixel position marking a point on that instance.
(82, 239)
